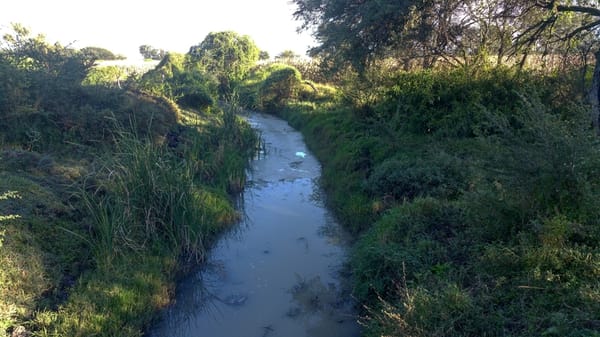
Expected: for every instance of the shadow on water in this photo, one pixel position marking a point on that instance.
(281, 271)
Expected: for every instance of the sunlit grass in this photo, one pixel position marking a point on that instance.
(23, 277)
(116, 299)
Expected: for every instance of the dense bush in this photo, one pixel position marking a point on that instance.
(270, 87)
(178, 80)
(455, 103)
(403, 178)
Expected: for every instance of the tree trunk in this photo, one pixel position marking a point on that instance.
(594, 95)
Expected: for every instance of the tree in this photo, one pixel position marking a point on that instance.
(551, 22)
(458, 31)
(263, 55)
(279, 86)
(98, 53)
(354, 30)
(191, 87)
(226, 55)
(358, 32)
(149, 52)
(287, 56)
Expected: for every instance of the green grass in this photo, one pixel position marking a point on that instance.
(96, 239)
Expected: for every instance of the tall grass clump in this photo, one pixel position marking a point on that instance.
(150, 197)
(224, 151)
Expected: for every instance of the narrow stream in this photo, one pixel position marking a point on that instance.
(280, 271)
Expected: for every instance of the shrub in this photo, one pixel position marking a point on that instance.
(417, 241)
(194, 90)
(270, 87)
(404, 178)
(280, 85)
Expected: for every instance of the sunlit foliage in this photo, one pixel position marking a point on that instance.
(226, 55)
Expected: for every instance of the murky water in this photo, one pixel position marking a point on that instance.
(280, 272)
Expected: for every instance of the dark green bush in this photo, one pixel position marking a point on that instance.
(177, 79)
(452, 103)
(194, 90)
(403, 178)
(269, 88)
(282, 84)
(415, 241)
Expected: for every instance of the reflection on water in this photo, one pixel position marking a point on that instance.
(280, 272)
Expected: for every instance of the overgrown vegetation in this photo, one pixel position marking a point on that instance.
(468, 175)
(473, 195)
(107, 194)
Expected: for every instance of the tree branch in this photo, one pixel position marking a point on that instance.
(579, 9)
(589, 26)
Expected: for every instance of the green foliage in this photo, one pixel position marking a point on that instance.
(453, 32)
(108, 76)
(114, 300)
(106, 219)
(286, 56)
(355, 33)
(151, 206)
(269, 88)
(49, 72)
(405, 177)
(151, 53)
(89, 120)
(476, 196)
(38, 257)
(280, 85)
(417, 241)
(454, 103)
(177, 80)
(226, 55)
(232, 142)
(195, 90)
(152, 200)
(97, 53)
(263, 55)
(13, 87)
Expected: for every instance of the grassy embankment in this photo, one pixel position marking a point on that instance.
(473, 196)
(105, 195)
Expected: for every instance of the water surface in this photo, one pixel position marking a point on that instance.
(280, 271)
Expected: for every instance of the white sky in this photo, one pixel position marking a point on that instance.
(174, 25)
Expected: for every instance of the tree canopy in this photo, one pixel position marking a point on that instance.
(287, 55)
(226, 55)
(457, 31)
(149, 52)
(99, 53)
